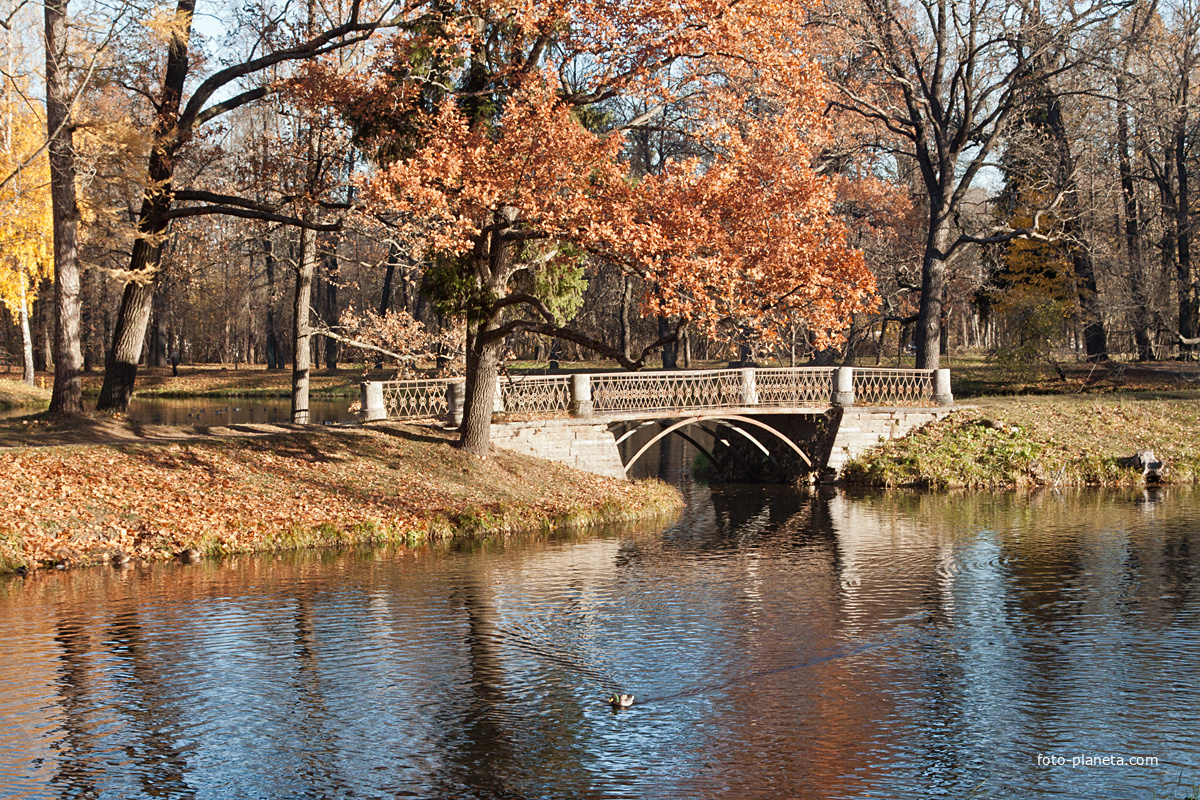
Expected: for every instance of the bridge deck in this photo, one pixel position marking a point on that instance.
(659, 394)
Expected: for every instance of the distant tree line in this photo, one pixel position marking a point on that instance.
(463, 184)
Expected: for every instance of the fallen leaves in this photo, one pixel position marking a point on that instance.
(82, 503)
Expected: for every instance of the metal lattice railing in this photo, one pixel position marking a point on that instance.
(652, 392)
(417, 399)
(800, 386)
(893, 387)
(536, 394)
(614, 393)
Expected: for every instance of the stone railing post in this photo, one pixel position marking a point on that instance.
(749, 388)
(371, 399)
(455, 395)
(498, 397)
(941, 388)
(843, 386)
(581, 395)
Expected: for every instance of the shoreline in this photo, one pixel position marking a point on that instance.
(145, 499)
(85, 490)
(1033, 441)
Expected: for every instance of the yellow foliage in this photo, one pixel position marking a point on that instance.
(1036, 272)
(26, 226)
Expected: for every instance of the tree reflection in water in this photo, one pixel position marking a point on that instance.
(781, 643)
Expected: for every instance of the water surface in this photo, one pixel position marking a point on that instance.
(781, 644)
(234, 410)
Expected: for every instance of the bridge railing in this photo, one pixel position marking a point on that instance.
(792, 387)
(535, 394)
(893, 387)
(410, 399)
(623, 392)
(612, 393)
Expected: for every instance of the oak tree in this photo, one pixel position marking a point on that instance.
(495, 163)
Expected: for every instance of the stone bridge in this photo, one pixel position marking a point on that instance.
(748, 422)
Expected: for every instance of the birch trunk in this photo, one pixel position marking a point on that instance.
(301, 330)
(26, 335)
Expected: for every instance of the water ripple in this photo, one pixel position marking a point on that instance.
(780, 644)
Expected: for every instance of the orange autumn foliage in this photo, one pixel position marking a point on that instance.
(744, 234)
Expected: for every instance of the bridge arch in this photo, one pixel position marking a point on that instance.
(696, 420)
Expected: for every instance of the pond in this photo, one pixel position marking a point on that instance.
(780, 644)
(209, 411)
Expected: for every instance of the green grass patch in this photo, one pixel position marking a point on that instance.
(16, 395)
(1060, 440)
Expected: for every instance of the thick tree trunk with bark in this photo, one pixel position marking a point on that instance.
(121, 365)
(933, 290)
(120, 369)
(476, 431)
(301, 330)
(67, 397)
(669, 359)
(492, 265)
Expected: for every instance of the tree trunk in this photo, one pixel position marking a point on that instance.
(273, 356)
(120, 368)
(933, 291)
(626, 304)
(1094, 335)
(301, 332)
(669, 360)
(26, 334)
(1134, 237)
(45, 326)
(1186, 296)
(492, 266)
(385, 297)
(480, 395)
(158, 342)
(331, 307)
(67, 397)
(883, 326)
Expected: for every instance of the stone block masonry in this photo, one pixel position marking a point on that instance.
(861, 429)
(589, 446)
(580, 443)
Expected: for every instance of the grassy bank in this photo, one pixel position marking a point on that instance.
(14, 394)
(82, 504)
(1044, 440)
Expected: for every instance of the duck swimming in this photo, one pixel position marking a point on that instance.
(620, 700)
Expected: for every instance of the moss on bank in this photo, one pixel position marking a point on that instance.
(1060, 440)
(399, 484)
